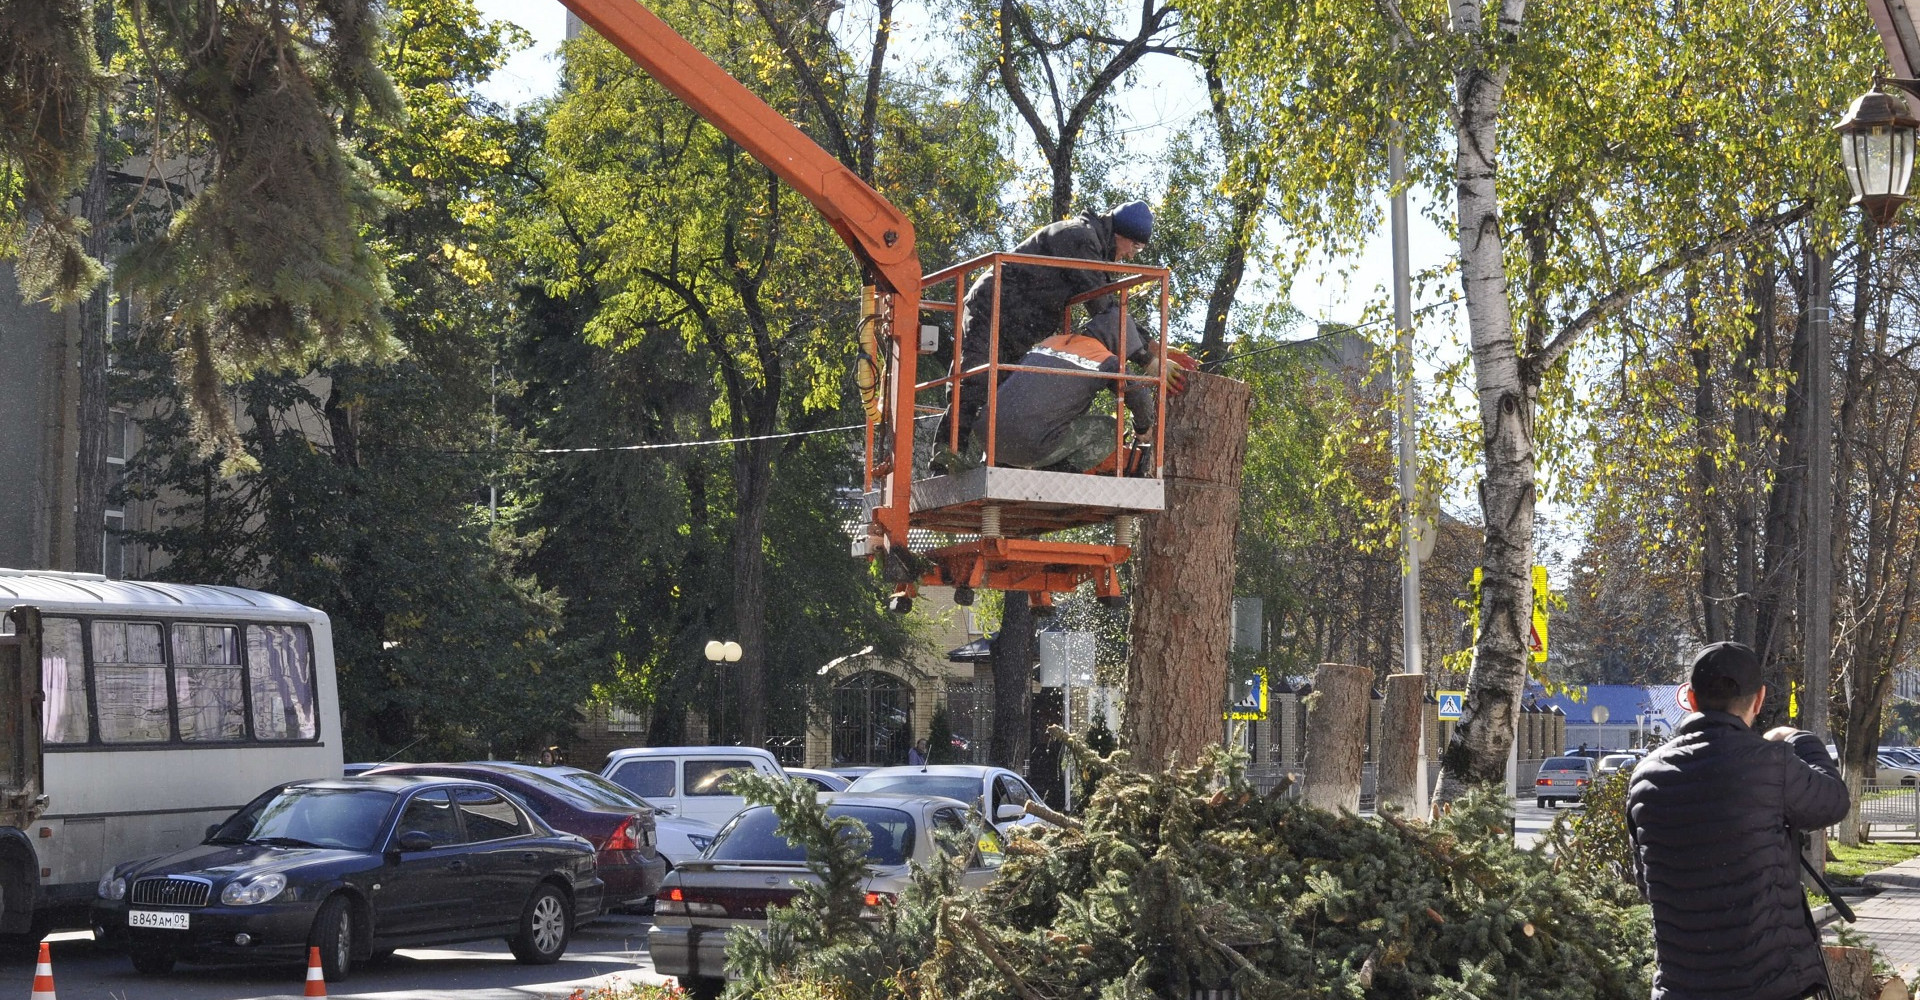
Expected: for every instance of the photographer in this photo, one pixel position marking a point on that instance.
(1714, 817)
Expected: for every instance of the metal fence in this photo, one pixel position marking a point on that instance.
(1890, 808)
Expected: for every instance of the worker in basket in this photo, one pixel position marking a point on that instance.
(1049, 421)
(1032, 301)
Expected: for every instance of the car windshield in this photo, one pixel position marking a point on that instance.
(347, 818)
(752, 836)
(1566, 764)
(952, 786)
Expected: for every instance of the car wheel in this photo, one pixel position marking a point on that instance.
(703, 988)
(544, 928)
(149, 960)
(333, 935)
(1539, 803)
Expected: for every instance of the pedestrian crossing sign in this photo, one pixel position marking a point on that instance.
(1451, 703)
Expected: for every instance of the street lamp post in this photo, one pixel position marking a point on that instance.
(719, 654)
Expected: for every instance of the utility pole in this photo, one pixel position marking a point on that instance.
(1818, 590)
(1411, 661)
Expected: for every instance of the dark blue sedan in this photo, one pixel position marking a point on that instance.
(356, 867)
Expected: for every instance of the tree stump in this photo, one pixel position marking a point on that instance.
(1850, 971)
(1336, 735)
(1183, 597)
(1397, 746)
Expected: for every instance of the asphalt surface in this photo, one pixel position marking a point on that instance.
(607, 949)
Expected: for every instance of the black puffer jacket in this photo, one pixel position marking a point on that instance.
(1711, 815)
(1034, 302)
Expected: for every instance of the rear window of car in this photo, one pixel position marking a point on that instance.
(571, 794)
(952, 786)
(1567, 764)
(603, 790)
(1618, 760)
(752, 836)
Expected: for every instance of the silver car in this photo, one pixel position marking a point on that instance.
(751, 868)
(1002, 794)
(1562, 779)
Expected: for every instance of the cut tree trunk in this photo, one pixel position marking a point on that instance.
(1337, 735)
(1183, 602)
(1399, 742)
(1013, 658)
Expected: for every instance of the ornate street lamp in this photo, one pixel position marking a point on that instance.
(1876, 142)
(719, 654)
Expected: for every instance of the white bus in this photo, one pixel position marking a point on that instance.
(133, 715)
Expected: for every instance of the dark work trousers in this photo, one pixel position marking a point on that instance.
(1015, 341)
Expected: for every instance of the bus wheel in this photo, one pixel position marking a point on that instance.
(151, 961)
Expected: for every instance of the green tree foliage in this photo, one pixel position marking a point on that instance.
(1581, 156)
(716, 303)
(50, 83)
(367, 488)
(266, 261)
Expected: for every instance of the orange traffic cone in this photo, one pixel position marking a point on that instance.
(316, 981)
(43, 975)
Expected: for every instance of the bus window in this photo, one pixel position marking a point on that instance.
(280, 676)
(130, 681)
(63, 676)
(206, 682)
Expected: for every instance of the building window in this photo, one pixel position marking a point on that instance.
(113, 562)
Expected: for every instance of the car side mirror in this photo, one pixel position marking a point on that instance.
(1008, 812)
(414, 840)
(212, 830)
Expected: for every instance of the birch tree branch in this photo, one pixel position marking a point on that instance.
(1548, 356)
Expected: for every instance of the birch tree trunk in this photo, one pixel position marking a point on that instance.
(1506, 390)
(1183, 604)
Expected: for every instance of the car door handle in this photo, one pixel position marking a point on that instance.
(456, 866)
(529, 858)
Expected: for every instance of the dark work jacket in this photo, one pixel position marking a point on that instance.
(1033, 301)
(1712, 815)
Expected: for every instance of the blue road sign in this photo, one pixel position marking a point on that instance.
(1450, 704)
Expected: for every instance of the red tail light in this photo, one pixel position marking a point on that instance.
(1543, 781)
(676, 894)
(1579, 781)
(879, 899)
(622, 838)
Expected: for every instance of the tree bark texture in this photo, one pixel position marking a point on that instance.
(1337, 735)
(91, 480)
(754, 471)
(1397, 745)
(1013, 659)
(1183, 602)
(1506, 390)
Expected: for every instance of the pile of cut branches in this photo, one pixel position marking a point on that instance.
(1193, 880)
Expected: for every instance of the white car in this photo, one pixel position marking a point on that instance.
(1002, 794)
(688, 782)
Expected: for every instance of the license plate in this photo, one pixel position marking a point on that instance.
(156, 918)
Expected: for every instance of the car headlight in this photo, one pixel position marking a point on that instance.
(111, 886)
(700, 841)
(255, 890)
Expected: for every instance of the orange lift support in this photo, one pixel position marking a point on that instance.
(978, 528)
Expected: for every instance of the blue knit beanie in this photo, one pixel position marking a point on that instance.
(1134, 220)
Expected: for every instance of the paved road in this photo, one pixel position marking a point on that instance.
(612, 947)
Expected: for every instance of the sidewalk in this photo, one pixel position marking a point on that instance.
(1891, 919)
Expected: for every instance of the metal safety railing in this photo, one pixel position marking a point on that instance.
(1890, 808)
(994, 369)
